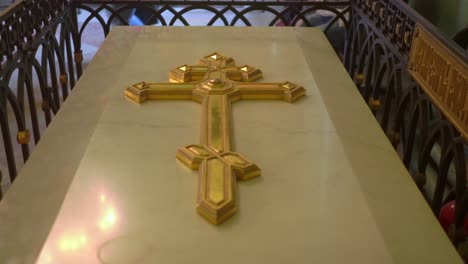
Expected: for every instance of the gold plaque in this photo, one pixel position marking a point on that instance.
(215, 82)
(442, 75)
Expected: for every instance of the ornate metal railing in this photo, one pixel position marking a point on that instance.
(37, 66)
(418, 95)
(227, 13)
(415, 82)
(334, 18)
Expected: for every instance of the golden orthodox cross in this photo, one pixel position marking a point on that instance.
(215, 83)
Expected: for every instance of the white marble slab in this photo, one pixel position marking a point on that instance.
(332, 188)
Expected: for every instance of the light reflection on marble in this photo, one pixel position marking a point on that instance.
(75, 236)
(327, 191)
(31, 205)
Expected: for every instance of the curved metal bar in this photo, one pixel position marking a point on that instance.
(220, 16)
(46, 94)
(157, 15)
(50, 62)
(65, 46)
(93, 14)
(16, 105)
(166, 8)
(11, 98)
(176, 17)
(57, 54)
(241, 15)
(44, 63)
(379, 55)
(461, 193)
(115, 13)
(352, 52)
(5, 128)
(299, 15)
(381, 71)
(76, 38)
(369, 68)
(363, 54)
(403, 107)
(32, 101)
(388, 99)
(339, 15)
(349, 49)
(432, 138)
(410, 134)
(393, 90)
(444, 164)
(180, 14)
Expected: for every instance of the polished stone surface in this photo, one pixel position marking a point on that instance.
(103, 185)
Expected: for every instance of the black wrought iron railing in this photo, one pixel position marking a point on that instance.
(226, 13)
(430, 142)
(37, 66)
(419, 98)
(332, 16)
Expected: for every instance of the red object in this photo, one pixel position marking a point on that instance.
(447, 217)
(280, 24)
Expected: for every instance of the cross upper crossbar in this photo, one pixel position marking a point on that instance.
(216, 82)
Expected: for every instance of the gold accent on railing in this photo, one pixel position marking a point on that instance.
(359, 79)
(374, 104)
(442, 75)
(79, 56)
(63, 79)
(398, 28)
(23, 137)
(406, 37)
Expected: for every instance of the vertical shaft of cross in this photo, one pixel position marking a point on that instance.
(215, 132)
(217, 182)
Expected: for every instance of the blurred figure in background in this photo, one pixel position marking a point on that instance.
(135, 17)
(335, 33)
(289, 15)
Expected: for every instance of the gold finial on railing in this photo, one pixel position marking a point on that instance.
(23, 137)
